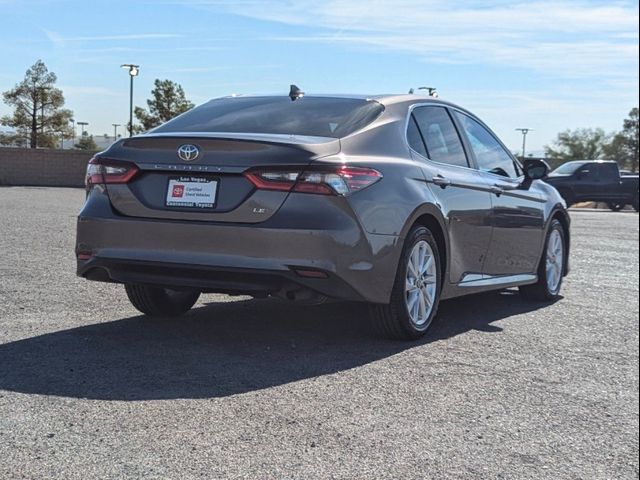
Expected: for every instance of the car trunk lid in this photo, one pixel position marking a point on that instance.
(209, 186)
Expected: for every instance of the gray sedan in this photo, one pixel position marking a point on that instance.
(399, 201)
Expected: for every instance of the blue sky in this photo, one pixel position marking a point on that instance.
(547, 65)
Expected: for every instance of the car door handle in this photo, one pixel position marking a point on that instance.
(441, 181)
(505, 187)
(497, 190)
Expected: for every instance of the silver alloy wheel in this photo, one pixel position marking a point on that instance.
(555, 260)
(420, 283)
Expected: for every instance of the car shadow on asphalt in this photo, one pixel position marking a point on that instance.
(223, 349)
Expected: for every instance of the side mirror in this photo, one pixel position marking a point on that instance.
(535, 169)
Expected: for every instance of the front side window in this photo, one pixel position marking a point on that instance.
(490, 155)
(440, 136)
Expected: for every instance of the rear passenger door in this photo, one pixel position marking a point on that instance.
(610, 184)
(517, 213)
(457, 188)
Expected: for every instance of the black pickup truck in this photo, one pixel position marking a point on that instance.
(595, 181)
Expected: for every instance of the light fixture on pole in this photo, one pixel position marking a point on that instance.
(524, 138)
(82, 125)
(134, 70)
(115, 131)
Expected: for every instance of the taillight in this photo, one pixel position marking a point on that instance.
(340, 180)
(102, 170)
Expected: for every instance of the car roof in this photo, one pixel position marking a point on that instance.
(591, 161)
(384, 99)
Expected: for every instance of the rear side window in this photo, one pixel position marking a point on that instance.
(440, 136)
(490, 155)
(311, 116)
(415, 138)
(608, 171)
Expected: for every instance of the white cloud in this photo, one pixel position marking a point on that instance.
(59, 40)
(562, 37)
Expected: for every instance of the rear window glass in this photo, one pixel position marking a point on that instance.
(313, 116)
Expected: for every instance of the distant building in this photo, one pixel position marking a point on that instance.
(102, 141)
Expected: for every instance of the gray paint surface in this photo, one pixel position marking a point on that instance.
(490, 225)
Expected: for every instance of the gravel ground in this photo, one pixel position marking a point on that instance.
(260, 389)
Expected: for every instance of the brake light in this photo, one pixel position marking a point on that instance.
(341, 180)
(103, 171)
(83, 256)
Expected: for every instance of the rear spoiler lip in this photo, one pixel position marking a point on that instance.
(258, 137)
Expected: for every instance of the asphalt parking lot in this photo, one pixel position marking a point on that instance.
(502, 388)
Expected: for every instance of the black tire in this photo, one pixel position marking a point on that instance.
(393, 320)
(615, 206)
(636, 207)
(540, 291)
(160, 301)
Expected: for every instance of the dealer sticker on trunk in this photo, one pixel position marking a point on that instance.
(194, 192)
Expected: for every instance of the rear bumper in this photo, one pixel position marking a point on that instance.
(243, 281)
(240, 258)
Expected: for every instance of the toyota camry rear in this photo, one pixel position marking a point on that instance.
(243, 195)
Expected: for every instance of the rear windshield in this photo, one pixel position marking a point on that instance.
(313, 116)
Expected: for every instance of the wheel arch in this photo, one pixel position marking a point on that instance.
(431, 217)
(560, 214)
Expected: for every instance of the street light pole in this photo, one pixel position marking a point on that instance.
(73, 133)
(524, 139)
(134, 70)
(131, 105)
(115, 131)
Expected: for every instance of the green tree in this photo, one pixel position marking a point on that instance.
(12, 139)
(630, 133)
(86, 142)
(167, 101)
(618, 149)
(623, 147)
(38, 114)
(580, 144)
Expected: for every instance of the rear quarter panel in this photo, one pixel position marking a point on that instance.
(385, 207)
(629, 183)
